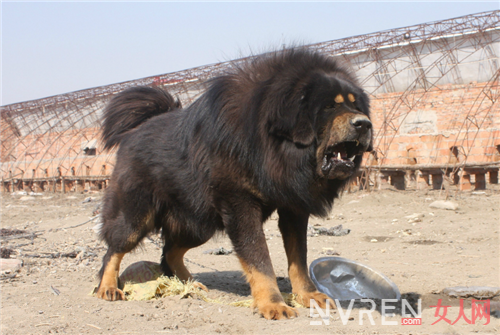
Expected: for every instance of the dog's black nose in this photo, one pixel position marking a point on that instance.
(361, 124)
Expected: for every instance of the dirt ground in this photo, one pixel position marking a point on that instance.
(51, 292)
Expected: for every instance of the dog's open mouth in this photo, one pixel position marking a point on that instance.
(339, 158)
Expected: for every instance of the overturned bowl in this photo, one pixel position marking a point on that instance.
(344, 279)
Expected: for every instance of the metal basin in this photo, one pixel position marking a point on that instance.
(343, 279)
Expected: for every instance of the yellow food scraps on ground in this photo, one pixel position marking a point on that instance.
(144, 281)
(172, 286)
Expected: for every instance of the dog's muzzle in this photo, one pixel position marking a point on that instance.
(350, 136)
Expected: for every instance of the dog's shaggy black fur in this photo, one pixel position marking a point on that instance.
(285, 131)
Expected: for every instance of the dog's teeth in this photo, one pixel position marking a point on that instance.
(339, 157)
(352, 158)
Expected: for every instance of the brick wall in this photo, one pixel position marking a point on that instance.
(56, 154)
(443, 125)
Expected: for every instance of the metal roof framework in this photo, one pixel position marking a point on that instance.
(48, 133)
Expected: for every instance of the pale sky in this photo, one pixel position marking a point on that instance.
(50, 48)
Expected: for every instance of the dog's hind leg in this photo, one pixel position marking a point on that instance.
(172, 262)
(108, 287)
(122, 236)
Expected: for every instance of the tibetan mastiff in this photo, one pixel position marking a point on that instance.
(282, 131)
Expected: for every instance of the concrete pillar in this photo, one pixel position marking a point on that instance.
(68, 185)
(464, 184)
(80, 186)
(37, 187)
(422, 180)
(53, 185)
(27, 186)
(94, 186)
(411, 178)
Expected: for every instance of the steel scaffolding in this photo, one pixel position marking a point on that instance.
(53, 143)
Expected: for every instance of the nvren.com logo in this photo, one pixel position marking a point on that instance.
(480, 309)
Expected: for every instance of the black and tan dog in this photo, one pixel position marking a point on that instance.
(284, 131)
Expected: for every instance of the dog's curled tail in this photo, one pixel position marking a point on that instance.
(130, 108)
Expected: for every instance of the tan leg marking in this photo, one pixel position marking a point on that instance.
(108, 288)
(175, 261)
(266, 294)
(305, 289)
(302, 284)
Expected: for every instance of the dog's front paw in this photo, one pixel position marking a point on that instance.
(321, 299)
(276, 311)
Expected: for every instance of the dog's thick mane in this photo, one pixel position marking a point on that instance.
(261, 102)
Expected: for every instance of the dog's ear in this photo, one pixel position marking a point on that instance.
(303, 133)
(294, 125)
(294, 121)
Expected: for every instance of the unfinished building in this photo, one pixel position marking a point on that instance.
(434, 92)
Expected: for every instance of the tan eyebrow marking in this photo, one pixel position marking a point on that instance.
(339, 99)
(351, 97)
